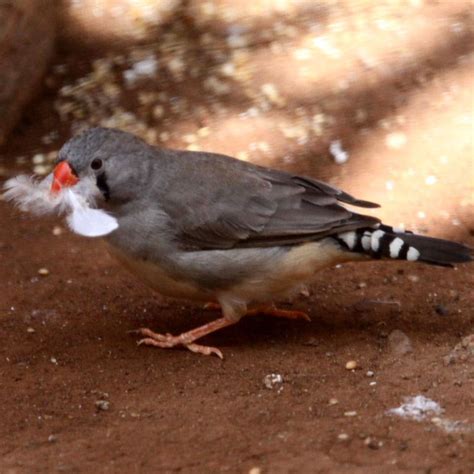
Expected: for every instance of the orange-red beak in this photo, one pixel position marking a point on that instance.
(63, 177)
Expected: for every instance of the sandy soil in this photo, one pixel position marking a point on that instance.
(77, 394)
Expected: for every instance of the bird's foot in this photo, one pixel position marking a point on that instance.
(270, 310)
(186, 339)
(167, 341)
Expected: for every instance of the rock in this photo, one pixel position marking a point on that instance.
(102, 405)
(441, 310)
(399, 343)
(462, 351)
(351, 365)
(27, 30)
(272, 380)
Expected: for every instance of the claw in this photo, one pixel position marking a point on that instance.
(167, 341)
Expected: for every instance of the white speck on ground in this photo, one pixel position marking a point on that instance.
(340, 156)
(417, 408)
(272, 380)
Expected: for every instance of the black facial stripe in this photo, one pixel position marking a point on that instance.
(103, 186)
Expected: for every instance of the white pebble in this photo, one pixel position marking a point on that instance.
(430, 180)
(271, 380)
(351, 365)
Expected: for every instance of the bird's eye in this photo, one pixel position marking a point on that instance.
(96, 164)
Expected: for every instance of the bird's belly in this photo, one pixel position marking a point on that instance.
(159, 279)
(287, 274)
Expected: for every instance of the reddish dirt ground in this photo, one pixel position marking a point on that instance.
(78, 395)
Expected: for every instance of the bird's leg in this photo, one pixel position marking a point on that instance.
(186, 339)
(272, 310)
(266, 310)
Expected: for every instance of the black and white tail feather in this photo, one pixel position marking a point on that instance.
(383, 241)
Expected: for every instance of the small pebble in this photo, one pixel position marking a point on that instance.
(441, 310)
(57, 230)
(30, 330)
(350, 413)
(333, 401)
(53, 360)
(52, 438)
(343, 437)
(271, 380)
(370, 373)
(43, 272)
(351, 365)
(255, 470)
(102, 405)
(373, 384)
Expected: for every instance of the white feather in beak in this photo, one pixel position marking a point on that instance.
(34, 196)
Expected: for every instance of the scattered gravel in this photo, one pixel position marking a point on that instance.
(462, 352)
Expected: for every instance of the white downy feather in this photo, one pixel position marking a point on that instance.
(34, 196)
(87, 221)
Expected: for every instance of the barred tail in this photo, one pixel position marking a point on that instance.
(388, 242)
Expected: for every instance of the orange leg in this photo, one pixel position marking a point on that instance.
(266, 310)
(271, 310)
(186, 339)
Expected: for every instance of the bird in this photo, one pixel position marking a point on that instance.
(211, 228)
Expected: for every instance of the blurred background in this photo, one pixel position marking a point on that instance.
(373, 96)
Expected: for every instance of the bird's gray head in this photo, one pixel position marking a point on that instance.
(106, 163)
